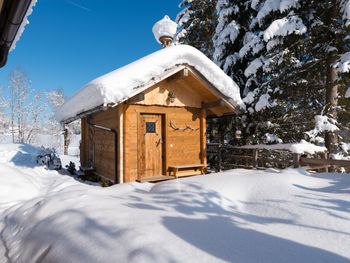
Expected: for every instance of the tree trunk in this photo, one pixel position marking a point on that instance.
(66, 141)
(331, 137)
(13, 130)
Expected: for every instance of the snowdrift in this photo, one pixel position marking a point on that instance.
(234, 216)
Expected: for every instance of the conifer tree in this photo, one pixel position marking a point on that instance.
(297, 73)
(291, 60)
(283, 62)
(197, 22)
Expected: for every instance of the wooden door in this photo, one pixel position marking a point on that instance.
(151, 145)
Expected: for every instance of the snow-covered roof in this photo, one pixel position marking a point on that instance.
(25, 22)
(126, 82)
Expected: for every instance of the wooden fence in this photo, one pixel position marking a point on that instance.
(225, 156)
(325, 164)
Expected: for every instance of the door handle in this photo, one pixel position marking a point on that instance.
(159, 141)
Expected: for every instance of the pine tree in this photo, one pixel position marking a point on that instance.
(284, 56)
(291, 60)
(228, 37)
(196, 24)
(274, 37)
(233, 19)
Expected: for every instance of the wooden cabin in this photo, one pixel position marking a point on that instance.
(157, 129)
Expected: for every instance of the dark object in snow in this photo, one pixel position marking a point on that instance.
(56, 163)
(71, 168)
(49, 158)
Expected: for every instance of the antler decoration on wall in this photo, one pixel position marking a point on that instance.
(173, 126)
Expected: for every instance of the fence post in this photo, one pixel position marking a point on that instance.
(66, 141)
(219, 157)
(255, 158)
(296, 160)
(324, 155)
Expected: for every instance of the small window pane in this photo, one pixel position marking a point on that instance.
(150, 127)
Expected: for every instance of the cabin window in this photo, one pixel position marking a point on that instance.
(150, 127)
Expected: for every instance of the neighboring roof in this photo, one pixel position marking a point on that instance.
(126, 82)
(13, 18)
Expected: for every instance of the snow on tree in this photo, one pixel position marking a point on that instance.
(233, 17)
(28, 109)
(291, 59)
(55, 98)
(4, 120)
(196, 24)
(36, 108)
(273, 35)
(227, 36)
(18, 87)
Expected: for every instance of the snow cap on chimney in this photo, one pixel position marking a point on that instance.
(164, 31)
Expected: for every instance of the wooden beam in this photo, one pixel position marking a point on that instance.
(179, 75)
(213, 104)
(313, 161)
(121, 110)
(203, 139)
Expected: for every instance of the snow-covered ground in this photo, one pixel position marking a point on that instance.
(49, 141)
(234, 216)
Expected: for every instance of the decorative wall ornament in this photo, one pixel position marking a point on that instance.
(171, 97)
(188, 127)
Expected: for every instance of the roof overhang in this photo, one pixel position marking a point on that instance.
(13, 15)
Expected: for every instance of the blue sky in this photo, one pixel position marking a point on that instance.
(70, 42)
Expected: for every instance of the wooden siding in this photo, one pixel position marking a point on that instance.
(181, 147)
(104, 153)
(189, 91)
(84, 143)
(184, 97)
(103, 147)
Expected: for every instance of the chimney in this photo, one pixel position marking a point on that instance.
(164, 31)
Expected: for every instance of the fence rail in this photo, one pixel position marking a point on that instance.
(225, 156)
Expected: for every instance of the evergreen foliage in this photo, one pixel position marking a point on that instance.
(197, 22)
(291, 60)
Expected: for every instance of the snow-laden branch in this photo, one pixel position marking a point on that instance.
(284, 27)
(343, 63)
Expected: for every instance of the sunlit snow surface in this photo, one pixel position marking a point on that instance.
(234, 216)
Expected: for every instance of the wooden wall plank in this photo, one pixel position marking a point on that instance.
(103, 145)
(181, 147)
